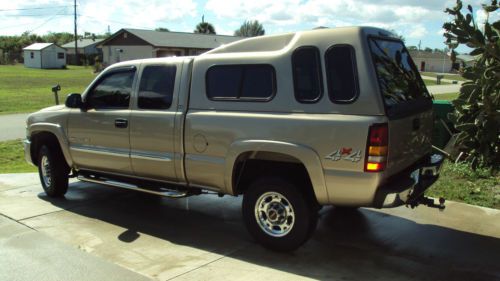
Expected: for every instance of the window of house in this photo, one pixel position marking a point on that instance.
(307, 79)
(32, 55)
(113, 91)
(157, 87)
(60, 55)
(341, 73)
(241, 82)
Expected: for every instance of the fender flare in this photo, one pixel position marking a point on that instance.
(58, 132)
(304, 154)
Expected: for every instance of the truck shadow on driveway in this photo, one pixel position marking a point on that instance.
(362, 244)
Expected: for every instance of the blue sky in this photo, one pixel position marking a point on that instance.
(417, 20)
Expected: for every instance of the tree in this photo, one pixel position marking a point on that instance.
(205, 28)
(412, 48)
(162, 29)
(427, 49)
(477, 108)
(250, 29)
(398, 35)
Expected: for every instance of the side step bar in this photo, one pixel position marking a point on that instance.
(170, 193)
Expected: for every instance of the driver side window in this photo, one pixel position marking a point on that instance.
(113, 91)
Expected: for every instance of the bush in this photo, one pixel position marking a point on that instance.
(477, 114)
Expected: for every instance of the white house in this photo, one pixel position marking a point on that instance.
(432, 62)
(129, 44)
(44, 55)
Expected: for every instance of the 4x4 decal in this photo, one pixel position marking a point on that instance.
(345, 153)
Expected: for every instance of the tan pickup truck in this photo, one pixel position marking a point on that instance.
(291, 122)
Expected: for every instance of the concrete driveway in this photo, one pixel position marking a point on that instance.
(203, 237)
(13, 126)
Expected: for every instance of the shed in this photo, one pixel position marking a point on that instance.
(44, 55)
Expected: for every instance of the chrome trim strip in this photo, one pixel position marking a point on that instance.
(101, 150)
(147, 155)
(205, 158)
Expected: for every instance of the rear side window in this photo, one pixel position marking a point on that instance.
(113, 91)
(307, 80)
(398, 78)
(341, 73)
(157, 87)
(241, 82)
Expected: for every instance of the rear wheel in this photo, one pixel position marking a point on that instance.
(53, 171)
(278, 215)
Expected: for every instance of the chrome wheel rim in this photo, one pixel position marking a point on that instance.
(45, 167)
(274, 214)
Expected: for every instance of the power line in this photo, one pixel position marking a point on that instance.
(49, 19)
(35, 15)
(38, 8)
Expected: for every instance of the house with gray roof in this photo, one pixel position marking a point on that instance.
(85, 47)
(129, 44)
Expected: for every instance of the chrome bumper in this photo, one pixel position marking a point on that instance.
(27, 151)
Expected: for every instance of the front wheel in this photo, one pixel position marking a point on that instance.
(278, 215)
(53, 171)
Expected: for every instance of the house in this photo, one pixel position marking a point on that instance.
(431, 62)
(44, 55)
(87, 50)
(128, 44)
(466, 60)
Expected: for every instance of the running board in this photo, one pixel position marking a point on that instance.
(170, 193)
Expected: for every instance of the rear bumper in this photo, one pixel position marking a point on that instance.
(409, 185)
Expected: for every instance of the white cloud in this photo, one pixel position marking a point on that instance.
(417, 32)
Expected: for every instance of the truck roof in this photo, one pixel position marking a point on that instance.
(270, 43)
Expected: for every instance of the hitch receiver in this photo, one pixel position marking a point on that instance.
(427, 201)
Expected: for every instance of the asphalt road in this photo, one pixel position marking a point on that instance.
(203, 237)
(13, 126)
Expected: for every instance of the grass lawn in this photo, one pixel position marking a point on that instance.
(12, 160)
(448, 96)
(432, 82)
(446, 76)
(459, 183)
(28, 89)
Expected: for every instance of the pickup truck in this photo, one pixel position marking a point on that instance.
(291, 122)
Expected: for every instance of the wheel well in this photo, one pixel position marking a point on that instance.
(248, 166)
(39, 139)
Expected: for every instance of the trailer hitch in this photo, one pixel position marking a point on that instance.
(427, 201)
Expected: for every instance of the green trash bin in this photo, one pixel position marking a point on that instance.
(441, 133)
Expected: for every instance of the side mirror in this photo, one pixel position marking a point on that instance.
(74, 100)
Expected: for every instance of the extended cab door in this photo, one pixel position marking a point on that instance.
(99, 135)
(153, 129)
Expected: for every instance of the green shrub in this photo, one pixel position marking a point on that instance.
(477, 114)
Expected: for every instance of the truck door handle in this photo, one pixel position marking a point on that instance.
(121, 123)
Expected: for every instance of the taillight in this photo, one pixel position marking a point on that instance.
(376, 148)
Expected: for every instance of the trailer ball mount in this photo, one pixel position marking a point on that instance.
(427, 201)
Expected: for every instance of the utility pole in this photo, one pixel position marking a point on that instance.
(76, 37)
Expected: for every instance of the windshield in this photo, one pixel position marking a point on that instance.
(398, 77)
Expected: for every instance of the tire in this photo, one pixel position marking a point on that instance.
(53, 171)
(277, 214)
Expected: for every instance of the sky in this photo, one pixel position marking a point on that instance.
(418, 21)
